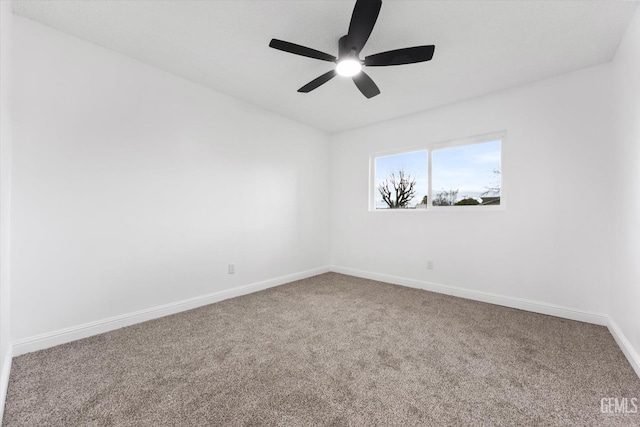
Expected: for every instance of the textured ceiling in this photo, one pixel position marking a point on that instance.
(481, 47)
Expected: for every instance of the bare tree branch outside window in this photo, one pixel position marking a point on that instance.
(445, 198)
(398, 189)
(494, 188)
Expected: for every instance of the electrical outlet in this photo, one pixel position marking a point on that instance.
(232, 268)
(429, 264)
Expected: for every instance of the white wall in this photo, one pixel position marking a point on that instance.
(551, 243)
(625, 284)
(135, 188)
(6, 20)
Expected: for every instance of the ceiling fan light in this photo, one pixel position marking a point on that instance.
(348, 67)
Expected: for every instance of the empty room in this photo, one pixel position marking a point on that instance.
(319, 212)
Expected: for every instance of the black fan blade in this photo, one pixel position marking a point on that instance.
(409, 55)
(365, 14)
(301, 50)
(366, 85)
(315, 83)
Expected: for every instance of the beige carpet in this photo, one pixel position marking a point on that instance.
(329, 350)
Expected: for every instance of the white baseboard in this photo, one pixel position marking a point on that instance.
(624, 344)
(85, 330)
(62, 336)
(519, 303)
(4, 378)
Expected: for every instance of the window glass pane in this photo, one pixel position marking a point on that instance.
(401, 180)
(466, 175)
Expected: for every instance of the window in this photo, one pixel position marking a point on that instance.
(401, 179)
(459, 174)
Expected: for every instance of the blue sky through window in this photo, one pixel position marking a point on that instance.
(467, 168)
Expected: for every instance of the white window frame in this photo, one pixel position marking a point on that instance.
(429, 148)
(372, 174)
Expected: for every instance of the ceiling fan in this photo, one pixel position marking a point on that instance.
(348, 62)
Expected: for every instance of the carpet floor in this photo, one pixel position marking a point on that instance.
(331, 350)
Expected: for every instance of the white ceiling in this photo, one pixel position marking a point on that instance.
(481, 47)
